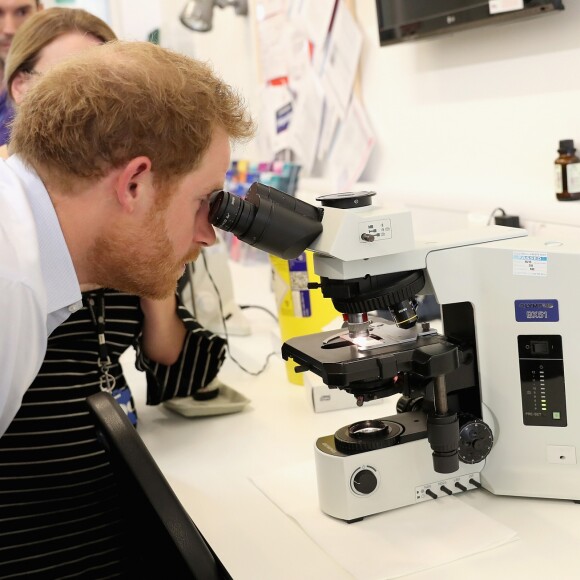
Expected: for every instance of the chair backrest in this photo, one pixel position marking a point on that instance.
(165, 541)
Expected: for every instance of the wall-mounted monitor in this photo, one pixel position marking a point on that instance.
(403, 20)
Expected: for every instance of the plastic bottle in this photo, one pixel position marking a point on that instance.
(567, 172)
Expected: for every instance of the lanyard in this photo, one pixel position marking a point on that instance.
(97, 309)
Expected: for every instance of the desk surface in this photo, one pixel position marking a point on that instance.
(209, 461)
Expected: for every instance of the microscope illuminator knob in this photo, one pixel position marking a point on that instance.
(364, 480)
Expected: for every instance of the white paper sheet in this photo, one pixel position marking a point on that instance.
(306, 121)
(272, 52)
(341, 59)
(351, 148)
(387, 545)
(316, 15)
(276, 117)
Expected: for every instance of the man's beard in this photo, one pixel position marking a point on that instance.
(140, 262)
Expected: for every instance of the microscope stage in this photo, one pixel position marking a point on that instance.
(341, 361)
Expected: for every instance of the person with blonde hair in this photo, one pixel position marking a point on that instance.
(115, 151)
(56, 33)
(13, 13)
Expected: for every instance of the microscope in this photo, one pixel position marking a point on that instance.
(483, 402)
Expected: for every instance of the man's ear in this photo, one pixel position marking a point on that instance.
(19, 86)
(134, 184)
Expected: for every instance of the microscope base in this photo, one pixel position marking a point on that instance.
(351, 487)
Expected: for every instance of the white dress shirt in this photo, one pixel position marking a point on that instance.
(38, 285)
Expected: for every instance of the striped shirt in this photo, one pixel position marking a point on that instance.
(61, 514)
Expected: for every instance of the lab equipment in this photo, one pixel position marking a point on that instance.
(484, 401)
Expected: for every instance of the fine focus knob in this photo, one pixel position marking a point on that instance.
(364, 482)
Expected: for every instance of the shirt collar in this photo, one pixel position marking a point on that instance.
(62, 286)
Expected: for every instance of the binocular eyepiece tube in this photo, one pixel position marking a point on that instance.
(267, 219)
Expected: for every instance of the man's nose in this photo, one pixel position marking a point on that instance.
(204, 231)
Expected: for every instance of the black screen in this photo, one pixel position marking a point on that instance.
(403, 20)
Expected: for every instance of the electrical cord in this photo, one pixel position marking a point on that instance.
(245, 306)
(227, 339)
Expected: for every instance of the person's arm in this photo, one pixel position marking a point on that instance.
(23, 339)
(200, 359)
(163, 330)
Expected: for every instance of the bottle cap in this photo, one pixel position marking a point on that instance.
(566, 146)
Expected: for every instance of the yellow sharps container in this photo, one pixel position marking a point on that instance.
(300, 310)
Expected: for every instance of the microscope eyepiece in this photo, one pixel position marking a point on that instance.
(231, 213)
(267, 219)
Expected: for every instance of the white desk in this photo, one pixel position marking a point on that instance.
(208, 461)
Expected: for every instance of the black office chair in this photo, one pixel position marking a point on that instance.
(164, 540)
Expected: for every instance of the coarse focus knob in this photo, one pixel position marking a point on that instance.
(475, 441)
(364, 482)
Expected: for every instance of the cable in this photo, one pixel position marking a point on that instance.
(245, 306)
(190, 271)
(227, 338)
(492, 215)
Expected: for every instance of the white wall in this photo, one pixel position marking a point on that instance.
(100, 8)
(135, 19)
(465, 122)
(472, 121)
(229, 47)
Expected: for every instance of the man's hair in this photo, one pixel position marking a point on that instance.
(41, 29)
(111, 103)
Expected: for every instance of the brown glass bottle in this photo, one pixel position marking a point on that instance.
(567, 167)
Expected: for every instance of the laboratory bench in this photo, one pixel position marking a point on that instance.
(214, 462)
